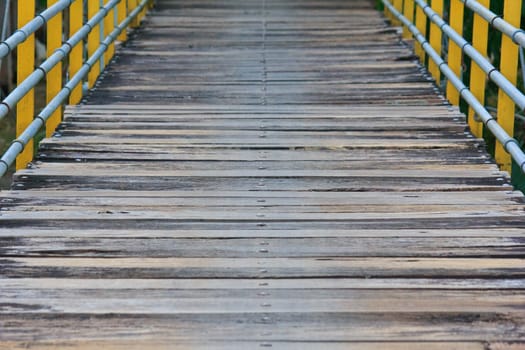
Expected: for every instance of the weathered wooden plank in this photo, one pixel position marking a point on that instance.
(261, 139)
(446, 182)
(241, 345)
(261, 267)
(302, 327)
(226, 214)
(10, 286)
(83, 246)
(264, 199)
(104, 169)
(132, 108)
(174, 302)
(257, 232)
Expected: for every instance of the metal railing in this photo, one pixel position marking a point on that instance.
(418, 15)
(88, 50)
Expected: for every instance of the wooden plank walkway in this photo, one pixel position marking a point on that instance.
(263, 174)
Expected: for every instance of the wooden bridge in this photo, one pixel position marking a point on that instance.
(263, 174)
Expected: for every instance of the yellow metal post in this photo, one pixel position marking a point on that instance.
(109, 25)
(478, 78)
(121, 16)
(387, 13)
(93, 41)
(25, 109)
(408, 12)
(509, 68)
(132, 4)
(76, 11)
(143, 12)
(435, 40)
(421, 24)
(455, 56)
(54, 76)
(398, 4)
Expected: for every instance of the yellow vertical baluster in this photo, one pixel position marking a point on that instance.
(478, 78)
(454, 51)
(93, 42)
(144, 11)
(421, 24)
(121, 16)
(75, 57)
(435, 40)
(54, 76)
(408, 12)
(25, 109)
(109, 25)
(398, 4)
(132, 4)
(102, 31)
(387, 13)
(509, 68)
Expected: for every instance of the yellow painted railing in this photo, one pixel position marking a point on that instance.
(509, 68)
(88, 48)
(25, 109)
(418, 15)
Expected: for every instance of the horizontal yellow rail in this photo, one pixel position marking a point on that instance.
(107, 21)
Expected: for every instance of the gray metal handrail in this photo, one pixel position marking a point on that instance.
(34, 78)
(510, 144)
(516, 34)
(20, 35)
(493, 74)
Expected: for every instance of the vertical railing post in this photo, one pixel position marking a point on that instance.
(509, 68)
(109, 25)
(408, 12)
(478, 77)
(121, 15)
(25, 108)
(93, 42)
(132, 4)
(421, 24)
(143, 12)
(435, 40)
(398, 4)
(76, 11)
(387, 13)
(455, 56)
(54, 76)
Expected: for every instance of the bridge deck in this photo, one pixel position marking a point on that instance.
(263, 173)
